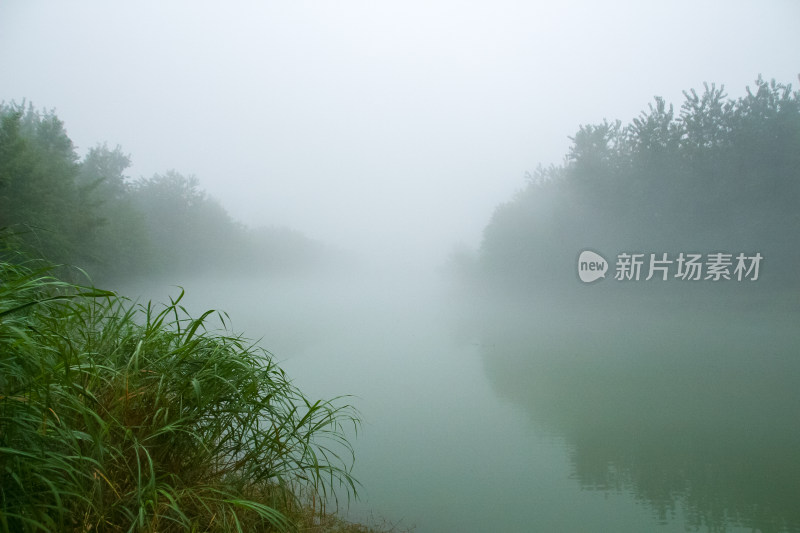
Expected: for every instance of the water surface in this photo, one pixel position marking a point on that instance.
(546, 417)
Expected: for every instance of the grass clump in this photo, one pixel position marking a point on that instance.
(116, 416)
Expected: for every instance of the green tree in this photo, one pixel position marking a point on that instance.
(721, 175)
(89, 213)
(188, 229)
(115, 240)
(37, 181)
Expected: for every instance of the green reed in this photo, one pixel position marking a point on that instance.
(117, 416)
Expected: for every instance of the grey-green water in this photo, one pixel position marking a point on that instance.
(548, 417)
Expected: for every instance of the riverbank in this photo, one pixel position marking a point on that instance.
(126, 416)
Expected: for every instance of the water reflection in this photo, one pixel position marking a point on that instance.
(694, 413)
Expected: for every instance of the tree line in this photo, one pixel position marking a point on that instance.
(717, 175)
(87, 212)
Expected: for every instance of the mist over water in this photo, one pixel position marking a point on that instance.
(504, 415)
(356, 186)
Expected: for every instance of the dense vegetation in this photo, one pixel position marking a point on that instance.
(87, 212)
(681, 393)
(118, 416)
(124, 417)
(720, 175)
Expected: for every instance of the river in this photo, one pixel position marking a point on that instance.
(509, 418)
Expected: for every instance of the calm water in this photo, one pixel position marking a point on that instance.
(548, 419)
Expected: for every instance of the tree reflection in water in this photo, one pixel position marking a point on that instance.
(685, 411)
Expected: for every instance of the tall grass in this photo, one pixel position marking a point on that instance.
(116, 416)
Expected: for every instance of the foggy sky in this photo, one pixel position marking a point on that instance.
(397, 126)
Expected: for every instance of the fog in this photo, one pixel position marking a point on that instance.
(391, 125)
(427, 268)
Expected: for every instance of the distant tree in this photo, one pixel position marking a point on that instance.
(38, 193)
(115, 239)
(722, 174)
(279, 249)
(88, 213)
(188, 229)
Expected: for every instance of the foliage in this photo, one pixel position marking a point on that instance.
(123, 417)
(718, 175)
(116, 243)
(38, 167)
(187, 228)
(89, 213)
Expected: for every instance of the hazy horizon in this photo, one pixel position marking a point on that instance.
(390, 127)
(509, 389)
